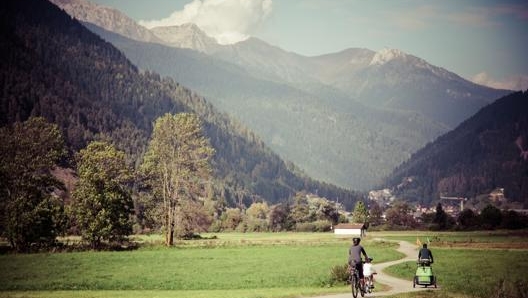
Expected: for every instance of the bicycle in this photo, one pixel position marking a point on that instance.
(369, 273)
(355, 282)
(369, 284)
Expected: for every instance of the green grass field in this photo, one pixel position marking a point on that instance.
(474, 239)
(234, 265)
(472, 264)
(249, 265)
(473, 271)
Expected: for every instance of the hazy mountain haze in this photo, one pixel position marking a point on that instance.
(346, 118)
(478, 40)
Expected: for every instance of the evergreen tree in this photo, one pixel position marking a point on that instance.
(440, 220)
(360, 214)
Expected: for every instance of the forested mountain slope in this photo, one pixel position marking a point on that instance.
(487, 151)
(52, 66)
(330, 135)
(347, 118)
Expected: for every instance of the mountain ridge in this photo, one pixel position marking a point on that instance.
(110, 18)
(56, 68)
(308, 116)
(336, 144)
(187, 36)
(485, 152)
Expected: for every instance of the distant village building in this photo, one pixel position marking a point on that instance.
(520, 211)
(354, 229)
(452, 205)
(383, 197)
(497, 196)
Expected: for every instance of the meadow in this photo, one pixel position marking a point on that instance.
(233, 265)
(258, 265)
(473, 264)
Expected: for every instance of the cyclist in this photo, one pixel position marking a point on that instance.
(354, 258)
(425, 256)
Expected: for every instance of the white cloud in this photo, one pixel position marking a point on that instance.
(517, 82)
(228, 21)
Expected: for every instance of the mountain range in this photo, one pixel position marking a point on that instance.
(52, 66)
(346, 118)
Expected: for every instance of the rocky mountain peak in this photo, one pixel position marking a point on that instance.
(107, 18)
(188, 36)
(386, 55)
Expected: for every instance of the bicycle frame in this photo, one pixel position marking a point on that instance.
(355, 283)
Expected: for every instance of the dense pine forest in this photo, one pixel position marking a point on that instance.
(487, 151)
(51, 66)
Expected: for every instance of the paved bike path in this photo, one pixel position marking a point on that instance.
(396, 285)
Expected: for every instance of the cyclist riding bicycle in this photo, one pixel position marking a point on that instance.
(425, 256)
(354, 258)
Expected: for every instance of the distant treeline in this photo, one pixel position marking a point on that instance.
(400, 216)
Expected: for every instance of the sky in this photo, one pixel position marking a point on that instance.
(481, 40)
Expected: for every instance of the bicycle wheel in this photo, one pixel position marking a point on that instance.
(368, 283)
(354, 283)
(361, 288)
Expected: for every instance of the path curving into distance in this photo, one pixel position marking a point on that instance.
(396, 285)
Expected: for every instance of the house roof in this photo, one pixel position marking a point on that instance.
(350, 226)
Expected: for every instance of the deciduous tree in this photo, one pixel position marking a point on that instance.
(102, 200)
(279, 219)
(467, 219)
(490, 217)
(300, 210)
(375, 214)
(177, 165)
(29, 212)
(231, 218)
(257, 217)
(399, 215)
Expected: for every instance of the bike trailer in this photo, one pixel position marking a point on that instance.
(424, 276)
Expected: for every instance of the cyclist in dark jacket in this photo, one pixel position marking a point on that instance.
(425, 255)
(354, 257)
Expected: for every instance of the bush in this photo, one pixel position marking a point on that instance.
(304, 227)
(322, 226)
(339, 274)
(215, 227)
(316, 226)
(257, 225)
(241, 228)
